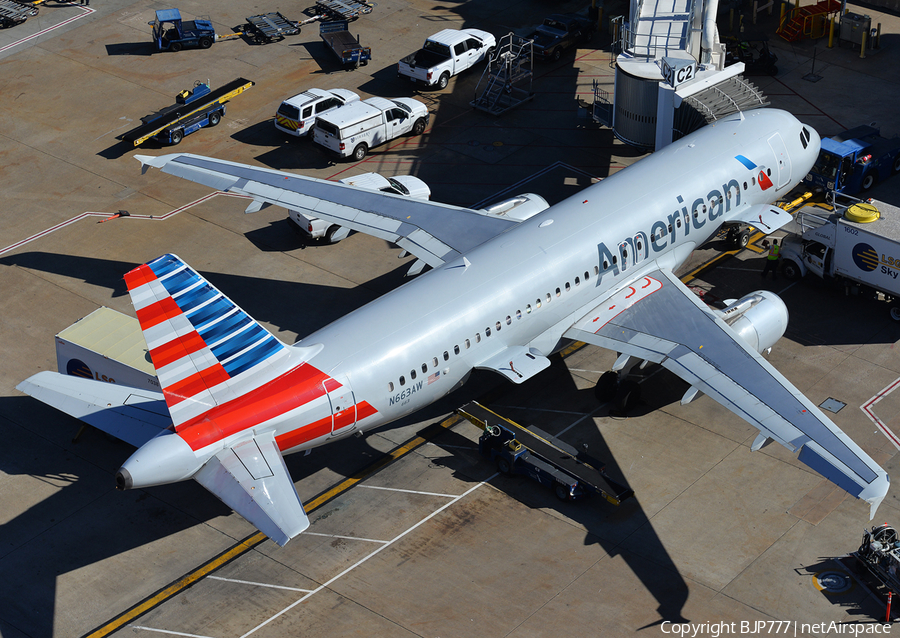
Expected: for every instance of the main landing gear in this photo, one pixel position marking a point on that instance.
(617, 387)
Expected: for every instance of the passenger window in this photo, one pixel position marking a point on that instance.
(537, 303)
(477, 337)
(518, 314)
(558, 292)
(487, 332)
(424, 368)
(468, 344)
(455, 349)
(587, 275)
(460, 48)
(568, 287)
(577, 281)
(402, 380)
(596, 271)
(390, 386)
(434, 362)
(528, 309)
(412, 374)
(446, 356)
(508, 320)
(549, 297)
(498, 326)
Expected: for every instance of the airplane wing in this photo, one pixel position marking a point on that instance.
(435, 233)
(252, 479)
(658, 319)
(131, 415)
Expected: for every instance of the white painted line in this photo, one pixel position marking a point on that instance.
(867, 410)
(349, 538)
(519, 407)
(397, 489)
(165, 631)
(250, 582)
(85, 11)
(365, 558)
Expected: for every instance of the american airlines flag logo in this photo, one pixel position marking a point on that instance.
(434, 377)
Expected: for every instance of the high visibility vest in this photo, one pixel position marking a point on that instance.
(773, 252)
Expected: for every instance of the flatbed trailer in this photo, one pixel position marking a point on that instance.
(13, 13)
(343, 9)
(572, 474)
(184, 111)
(345, 46)
(270, 27)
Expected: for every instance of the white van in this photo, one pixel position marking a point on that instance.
(353, 129)
(315, 228)
(297, 114)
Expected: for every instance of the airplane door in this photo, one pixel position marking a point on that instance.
(342, 403)
(782, 159)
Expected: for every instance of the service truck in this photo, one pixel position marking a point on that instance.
(853, 243)
(351, 130)
(854, 161)
(445, 54)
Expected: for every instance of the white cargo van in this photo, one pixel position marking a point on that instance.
(353, 129)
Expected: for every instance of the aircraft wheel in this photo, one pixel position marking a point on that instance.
(791, 270)
(360, 152)
(742, 239)
(503, 466)
(419, 126)
(215, 117)
(605, 390)
(177, 136)
(627, 396)
(176, 47)
(443, 81)
(205, 43)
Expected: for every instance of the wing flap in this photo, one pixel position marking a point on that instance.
(668, 324)
(252, 479)
(518, 364)
(131, 415)
(442, 232)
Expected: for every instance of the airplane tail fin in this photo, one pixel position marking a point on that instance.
(206, 350)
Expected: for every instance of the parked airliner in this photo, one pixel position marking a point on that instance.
(508, 286)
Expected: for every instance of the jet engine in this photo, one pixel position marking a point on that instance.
(520, 207)
(759, 319)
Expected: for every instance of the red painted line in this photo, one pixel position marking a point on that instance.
(157, 312)
(176, 349)
(195, 384)
(85, 11)
(867, 410)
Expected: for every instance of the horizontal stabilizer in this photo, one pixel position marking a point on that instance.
(131, 415)
(517, 364)
(252, 479)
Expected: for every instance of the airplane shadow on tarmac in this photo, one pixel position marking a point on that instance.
(607, 525)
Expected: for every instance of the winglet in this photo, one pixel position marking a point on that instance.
(149, 160)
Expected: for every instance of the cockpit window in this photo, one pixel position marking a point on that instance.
(804, 136)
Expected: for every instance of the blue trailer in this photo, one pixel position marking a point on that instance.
(854, 161)
(171, 33)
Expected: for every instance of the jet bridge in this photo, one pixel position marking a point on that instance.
(670, 77)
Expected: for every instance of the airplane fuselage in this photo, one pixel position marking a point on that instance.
(525, 287)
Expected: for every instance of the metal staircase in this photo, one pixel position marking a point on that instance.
(507, 80)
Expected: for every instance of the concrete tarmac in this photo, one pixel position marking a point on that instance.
(413, 533)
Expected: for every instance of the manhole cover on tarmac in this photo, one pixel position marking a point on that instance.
(832, 582)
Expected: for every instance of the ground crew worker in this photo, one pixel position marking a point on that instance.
(772, 260)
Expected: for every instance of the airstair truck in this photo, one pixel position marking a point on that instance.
(854, 243)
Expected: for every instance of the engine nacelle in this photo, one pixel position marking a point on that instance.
(520, 207)
(759, 319)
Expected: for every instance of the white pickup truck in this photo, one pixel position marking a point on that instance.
(351, 130)
(445, 54)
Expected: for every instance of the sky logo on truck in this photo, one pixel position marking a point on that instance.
(865, 257)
